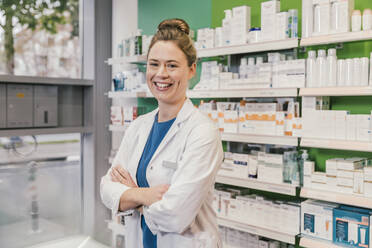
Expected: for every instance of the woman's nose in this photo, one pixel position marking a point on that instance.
(162, 72)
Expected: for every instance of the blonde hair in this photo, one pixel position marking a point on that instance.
(176, 30)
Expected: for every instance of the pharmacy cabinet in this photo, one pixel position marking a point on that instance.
(32, 105)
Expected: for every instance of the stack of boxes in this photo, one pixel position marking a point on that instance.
(351, 226)
(233, 238)
(320, 122)
(270, 168)
(262, 212)
(338, 125)
(322, 17)
(347, 176)
(121, 115)
(255, 118)
(269, 10)
(240, 24)
(343, 225)
(236, 27)
(317, 219)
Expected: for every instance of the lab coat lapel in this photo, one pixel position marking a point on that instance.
(182, 116)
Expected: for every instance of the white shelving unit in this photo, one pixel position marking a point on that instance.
(125, 94)
(272, 234)
(249, 48)
(260, 139)
(337, 91)
(118, 128)
(268, 92)
(285, 189)
(309, 242)
(354, 200)
(126, 60)
(337, 144)
(336, 38)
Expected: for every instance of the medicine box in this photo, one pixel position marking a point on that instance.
(351, 226)
(350, 164)
(309, 168)
(317, 219)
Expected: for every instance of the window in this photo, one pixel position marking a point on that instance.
(41, 200)
(40, 38)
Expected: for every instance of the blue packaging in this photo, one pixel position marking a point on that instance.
(351, 226)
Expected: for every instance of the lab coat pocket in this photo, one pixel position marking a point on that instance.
(170, 167)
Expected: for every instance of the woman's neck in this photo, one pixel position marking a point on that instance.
(169, 111)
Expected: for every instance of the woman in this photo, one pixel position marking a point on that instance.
(165, 169)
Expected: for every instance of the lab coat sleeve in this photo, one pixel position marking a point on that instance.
(112, 191)
(191, 182)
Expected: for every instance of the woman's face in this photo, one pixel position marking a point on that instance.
(168, 72)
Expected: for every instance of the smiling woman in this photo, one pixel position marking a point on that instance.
(171, 64)
(165, 169)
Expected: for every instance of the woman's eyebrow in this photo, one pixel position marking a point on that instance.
(167, 61)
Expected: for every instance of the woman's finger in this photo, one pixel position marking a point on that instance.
(113, 177)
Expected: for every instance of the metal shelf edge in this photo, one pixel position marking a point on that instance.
(337, 91)
(40, 131)
(359, 201)
(254, 184)
(239, 93)
(45, 80)
(260, 139)
(249, 48)
(310, 242)
(336, 38)
(337, 144)
(288, 238)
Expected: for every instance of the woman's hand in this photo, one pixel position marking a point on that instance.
(120, 175)
(154, 194)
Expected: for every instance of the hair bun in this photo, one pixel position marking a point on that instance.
(175, 23)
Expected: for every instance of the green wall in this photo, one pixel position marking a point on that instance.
(209, 13)
(196, 13)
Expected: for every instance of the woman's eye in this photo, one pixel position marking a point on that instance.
(153, 64)
(172, 66)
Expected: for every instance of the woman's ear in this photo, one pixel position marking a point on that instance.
(192, 71)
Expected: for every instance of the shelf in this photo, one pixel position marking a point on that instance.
(310, 242)
(337, 91)
(249, 48)
(118, 128)
(285, 189)
(268, 92)
(45, 80)
(125, 60)
(287, 238)
(39, 131)
(337, 144)
(125, 94)
(336, 38)
(116, 228)
(260, 139)
(348, 199)
(76, 241)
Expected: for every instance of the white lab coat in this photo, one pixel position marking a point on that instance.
(188, 159)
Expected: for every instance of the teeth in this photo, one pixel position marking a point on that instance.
(160, 85)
